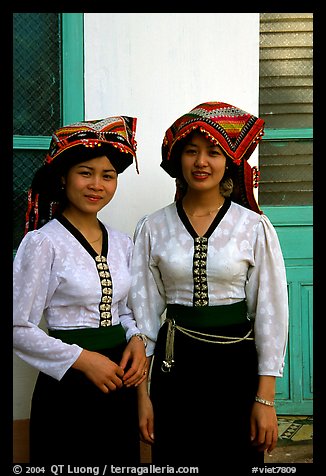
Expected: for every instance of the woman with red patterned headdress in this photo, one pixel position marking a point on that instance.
(209, 292)
(74, 271)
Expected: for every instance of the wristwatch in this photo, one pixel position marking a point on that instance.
(141, 337)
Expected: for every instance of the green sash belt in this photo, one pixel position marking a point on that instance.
(92, 338)
(208, 316)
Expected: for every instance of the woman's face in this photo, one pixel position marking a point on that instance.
(90, 185)
(203, 163)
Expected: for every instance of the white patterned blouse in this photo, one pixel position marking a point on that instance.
(55, 276)
(244, 261)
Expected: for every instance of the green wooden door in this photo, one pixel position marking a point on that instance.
(286, 185)
(294, 393)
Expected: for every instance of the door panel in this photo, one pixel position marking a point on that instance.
(294, 391)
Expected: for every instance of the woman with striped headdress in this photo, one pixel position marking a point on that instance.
(209, 292)
(74, 271)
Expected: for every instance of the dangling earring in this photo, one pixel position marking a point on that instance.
(53, 208)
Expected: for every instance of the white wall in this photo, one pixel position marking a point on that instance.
(156, 67)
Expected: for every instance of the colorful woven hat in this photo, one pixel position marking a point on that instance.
(110, 133)
(236, 131)
(71, 144)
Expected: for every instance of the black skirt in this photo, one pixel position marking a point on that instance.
(202, 407)
(72, 421)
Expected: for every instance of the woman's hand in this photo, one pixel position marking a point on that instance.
(134, 354)
(100, 370)
(264, 429)
(145, 414)
(263, 421)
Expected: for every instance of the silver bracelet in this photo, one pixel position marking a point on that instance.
(264, 402)
(141, 337)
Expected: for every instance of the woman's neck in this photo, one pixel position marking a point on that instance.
(202, 202)
(85, 223)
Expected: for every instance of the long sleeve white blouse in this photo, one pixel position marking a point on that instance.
(56, 277)
(244, 261)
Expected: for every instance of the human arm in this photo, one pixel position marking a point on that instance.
(35, 282)
(145, 410)
(135, 354)
(133, 360)
(267, 301)
(147, 294)
(263, 420)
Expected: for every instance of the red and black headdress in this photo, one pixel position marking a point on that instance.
(78, 142)
(236, 131)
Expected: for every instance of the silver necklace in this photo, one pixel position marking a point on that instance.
(91, 242)
(210, 212)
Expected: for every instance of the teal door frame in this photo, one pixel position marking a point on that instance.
(72, 97)
(73, 103)
(294, 392)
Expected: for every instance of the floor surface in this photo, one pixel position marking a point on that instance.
(295, 443)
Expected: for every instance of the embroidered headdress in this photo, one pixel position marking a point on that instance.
(74, 143)
(236, 131)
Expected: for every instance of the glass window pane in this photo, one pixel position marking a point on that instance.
(286, 69)
(36, 73)
(286, 102)
(285, 173)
